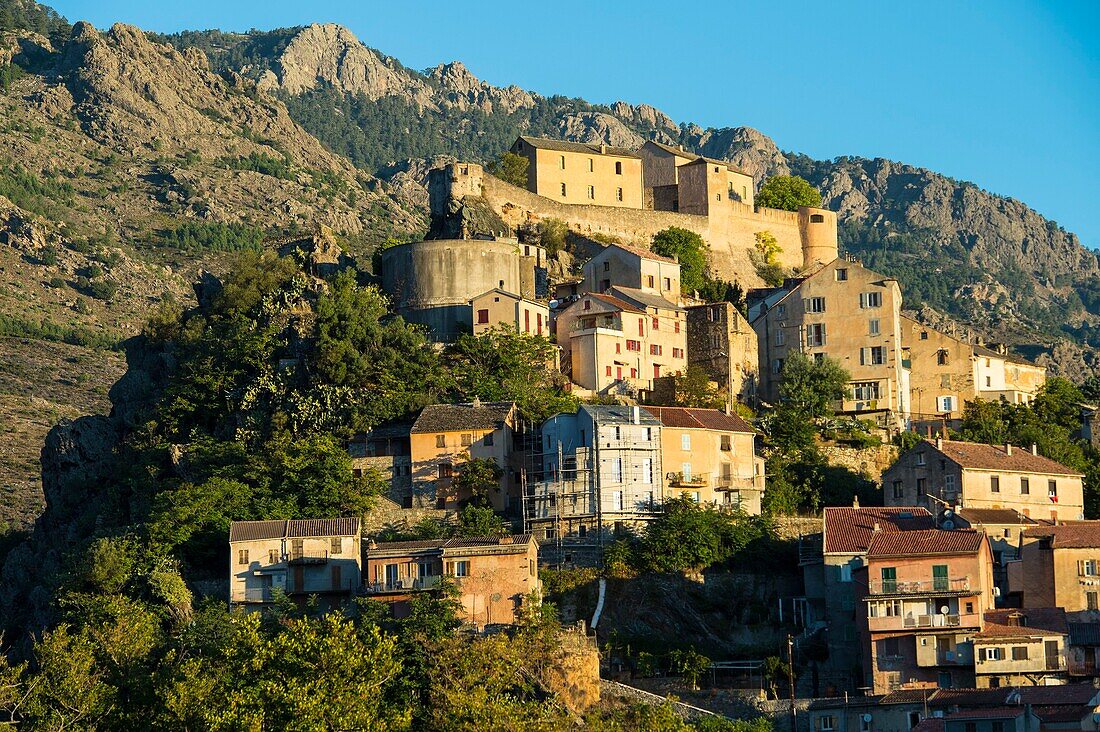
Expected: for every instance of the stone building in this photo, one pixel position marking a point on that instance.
(499, 307)
(676, 187)
(830, 562)
(495, 576)
(386, 448)
(300, 558)
(722, 343)
(1021, 648)
(445, 436)
(632, 267)
(599, 472)
(926, 593)
(849, 313)
(971, 475)
(582, 173)
(1060, 567)
(621, 340)
(1004, 527)
(710, 457)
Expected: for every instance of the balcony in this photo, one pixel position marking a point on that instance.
(308, 557)
(938, 586)
(923, 622)
(403, 584)
(736, 483)
(693, 480)
(257, 594)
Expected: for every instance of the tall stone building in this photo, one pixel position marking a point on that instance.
(582, 173)
(722, 343)
(847, 312)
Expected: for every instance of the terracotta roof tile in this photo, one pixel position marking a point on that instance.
(1067, 694)
(994, 516)
(1051, 714)
(849, 530)
(702, 419)
(924, 542)
(454, 417)
(642, 252)
(1005, 712)
(1032, 621)
(615, 302)
(930, 724)
(1079, 535)
(293, 529)
(979, 456)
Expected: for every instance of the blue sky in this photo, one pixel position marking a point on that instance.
(1005, 94)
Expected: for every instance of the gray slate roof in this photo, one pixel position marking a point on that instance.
(455, 417)
(545, 143)
(292, 529)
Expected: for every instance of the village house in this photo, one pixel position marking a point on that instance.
(974, 475)
(621, 340)
(1021, 648)
(722, 343)
(1003, 526)
(710, 457)
(632, 267)
(495, 576)
(1060, 567)
(599, 472)
(926, 592)
(947, 371)
(300, 558)
(830, 562)
(582, 173)
(445, 436)
(849, 313)
(499, 307)
(386, 449)
(678, 180)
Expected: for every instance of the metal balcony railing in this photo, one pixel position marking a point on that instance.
(919, 587)
(404, 584)
(932, 621)
(311, 556)
(688, 479)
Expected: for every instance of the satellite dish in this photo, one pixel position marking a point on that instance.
(948, 513)
(552, 304)
(948, 525)
(944, 610)
(867, 717)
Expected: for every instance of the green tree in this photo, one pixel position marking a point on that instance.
(787, 193)
(687, 248)
(690, 664)
(984, 421)
(480, 521)
(510, 168)
(694, 388)
(811, 386)
(553, 235)
(765, 250)
(478, 478)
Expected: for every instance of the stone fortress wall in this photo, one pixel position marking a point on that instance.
(805, 237)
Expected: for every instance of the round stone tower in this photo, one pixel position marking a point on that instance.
(817, 227)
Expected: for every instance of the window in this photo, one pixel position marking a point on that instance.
(677, 353)
(441, 440)
(945, 403)
(889, 579)
(940, 582)
(864, 391)
(462, 568)
(826, 723)
(647, 471)
(841, 275)
(272, 556)
(988, 381)
(337, 545)
(941, 357)
(483, 316)
(607, 266)
(633, 373)
(618, 348)
(656, 324)
(685, 442)
(969, 608)
(1086, 567)
(873, 327)
(1052, 488)
(591, 165)
(676, 327)
(924, 335)
(814, 304)
(899, 489)
(777, 366)
(1019, 653)
(587, 304)
(668, 283)
(563, 167)
(618, 194)
(563, 190)
(297, 547)
(608, 373)
(995, 484)
(873, 356)
(655, 350)
(870, 299)
(649, 281)
(949, 483)
(845, 573)
(920, 458)
(920, 487)
(780, 337)
(617, 470)
(618, 168)
(1025, 486)
(815, 335)
(817, 219)
(781, 311)
(1090, 600)
(467, 439)
(994, 654)
(591, 192)
(641, 326)
(727, 443)
(445, 470)
(242, 556)
(633, 345)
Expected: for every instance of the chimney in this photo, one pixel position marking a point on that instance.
(603, 149)
(1034, 449)
(636, 415)
(477, 401)
(876, 527)
(939, 443)
(855, 501)
(1008, 449)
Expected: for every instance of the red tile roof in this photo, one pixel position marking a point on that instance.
(849, 530)
(702, 419)
(979, 456)
(1067, 694)
(616, 302)
(994, 516)
(1079, 535)
(293, 529)
(987, 713)
(642, 252)
(929, 724)
(1032, 621)
(924, 542)
(1052, 714)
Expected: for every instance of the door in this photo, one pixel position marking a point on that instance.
(391, 576)
(889, 579)
(939, 578)
(299, 578)
(1054, 658)
(336, 579)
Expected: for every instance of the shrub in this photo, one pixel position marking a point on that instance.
(194, 236)
(787, 193)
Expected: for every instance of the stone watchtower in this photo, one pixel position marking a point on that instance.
(447, 186)
(818, 231)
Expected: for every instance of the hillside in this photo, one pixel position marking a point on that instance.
(990, 262)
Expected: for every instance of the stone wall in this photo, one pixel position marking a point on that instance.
(871, 461)
(387, 513)
(730, 233)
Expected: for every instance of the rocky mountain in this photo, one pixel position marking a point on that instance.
(1000, 267)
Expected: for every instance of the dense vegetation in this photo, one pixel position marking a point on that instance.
(687, 248)
(27, 15)
(787, 193)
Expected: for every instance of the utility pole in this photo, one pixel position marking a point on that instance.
(790, 677)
